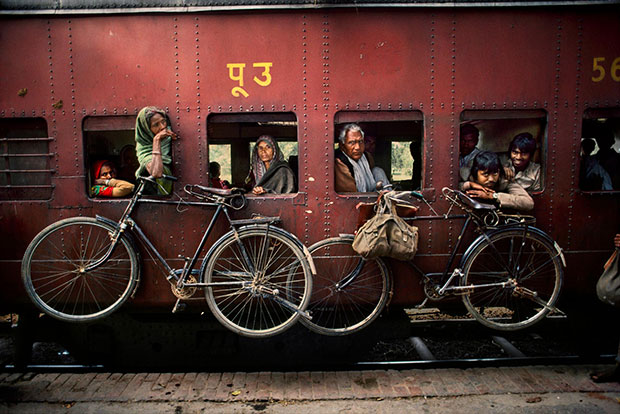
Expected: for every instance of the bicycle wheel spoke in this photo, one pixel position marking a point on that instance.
(274, 266)
(349, 292)
(54, 276)
(535, 267)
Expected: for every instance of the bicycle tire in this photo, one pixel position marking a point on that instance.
(240, 300)
(342, 311)
(54, 277)
(528, 258)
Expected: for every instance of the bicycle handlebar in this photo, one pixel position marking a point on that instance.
(152, 179)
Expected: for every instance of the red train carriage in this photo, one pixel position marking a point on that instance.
(73, 79)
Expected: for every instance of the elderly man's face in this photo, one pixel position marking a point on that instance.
(354, 145)
(467, 143)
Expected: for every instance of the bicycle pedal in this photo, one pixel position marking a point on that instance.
(178, 306)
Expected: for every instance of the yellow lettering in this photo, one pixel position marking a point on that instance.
(231, 72)
(597, 67)
(237, 91)
(615, 69)
(266, 74)
(238, 77)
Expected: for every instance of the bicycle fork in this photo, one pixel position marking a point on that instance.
(255, 286)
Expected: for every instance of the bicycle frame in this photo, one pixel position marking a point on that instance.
(126, 222)
(181, 278)
(444, 286)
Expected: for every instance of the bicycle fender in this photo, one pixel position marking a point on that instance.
(482, 238)
(126, 234)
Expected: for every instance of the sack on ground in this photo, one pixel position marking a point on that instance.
(608, 285)
(386, 235)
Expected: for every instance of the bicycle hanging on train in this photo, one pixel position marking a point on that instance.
(509, 277)
(256, 278)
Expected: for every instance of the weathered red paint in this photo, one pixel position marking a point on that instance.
(436, 61)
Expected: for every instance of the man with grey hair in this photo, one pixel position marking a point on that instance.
(354, 168)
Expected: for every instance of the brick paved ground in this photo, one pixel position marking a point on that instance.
(297, 386)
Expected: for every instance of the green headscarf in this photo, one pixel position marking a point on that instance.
(144, 146)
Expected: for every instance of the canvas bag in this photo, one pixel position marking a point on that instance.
(386, 235)
(608, 285)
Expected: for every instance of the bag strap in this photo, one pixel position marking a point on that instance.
(611, 259)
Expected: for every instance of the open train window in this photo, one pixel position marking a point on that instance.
(600, 150)
(110, 138)
(25, 158)
(393, 139)
(232, 138)
(517, 136)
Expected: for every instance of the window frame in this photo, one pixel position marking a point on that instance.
(347, 116)
(39, 189)
(244, 138)
(593, 114)
(498, 115)
(93, 124)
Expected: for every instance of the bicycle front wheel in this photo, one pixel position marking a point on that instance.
(258, 283)
(53, 270)
(530, 267)
(349, 292)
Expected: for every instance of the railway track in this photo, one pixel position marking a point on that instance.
(425, 343)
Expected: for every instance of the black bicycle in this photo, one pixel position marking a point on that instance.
(509, 277)
(257, 277)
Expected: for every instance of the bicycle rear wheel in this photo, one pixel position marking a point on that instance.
(54, 276)
(259, 282)
(349, 292)
(532, 269)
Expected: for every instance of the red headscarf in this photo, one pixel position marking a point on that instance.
(98, 166)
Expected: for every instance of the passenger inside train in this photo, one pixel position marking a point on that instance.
(128, 163)
(106, 184)
(468, 148)
(269, 172)
(487, 182)
(355, 169)
(607, 155)
(518, 164)
(232, 141)
(154, 148)
(600, 150)
(214, 176)
(592, 175)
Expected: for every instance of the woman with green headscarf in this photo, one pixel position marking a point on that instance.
(154, 147)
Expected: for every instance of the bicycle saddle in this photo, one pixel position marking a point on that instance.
(473, 203)
(217, 191)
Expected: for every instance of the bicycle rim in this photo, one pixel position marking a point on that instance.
(529, 264)
(252, 276)
(339, 307)
(54, 276)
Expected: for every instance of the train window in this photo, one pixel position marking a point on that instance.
(393, 141)
(232, 138)
(25, 158)
(600, 150)
(110, 138)
(518, 137)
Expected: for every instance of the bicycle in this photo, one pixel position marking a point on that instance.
(509, 277)
(256, 277)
